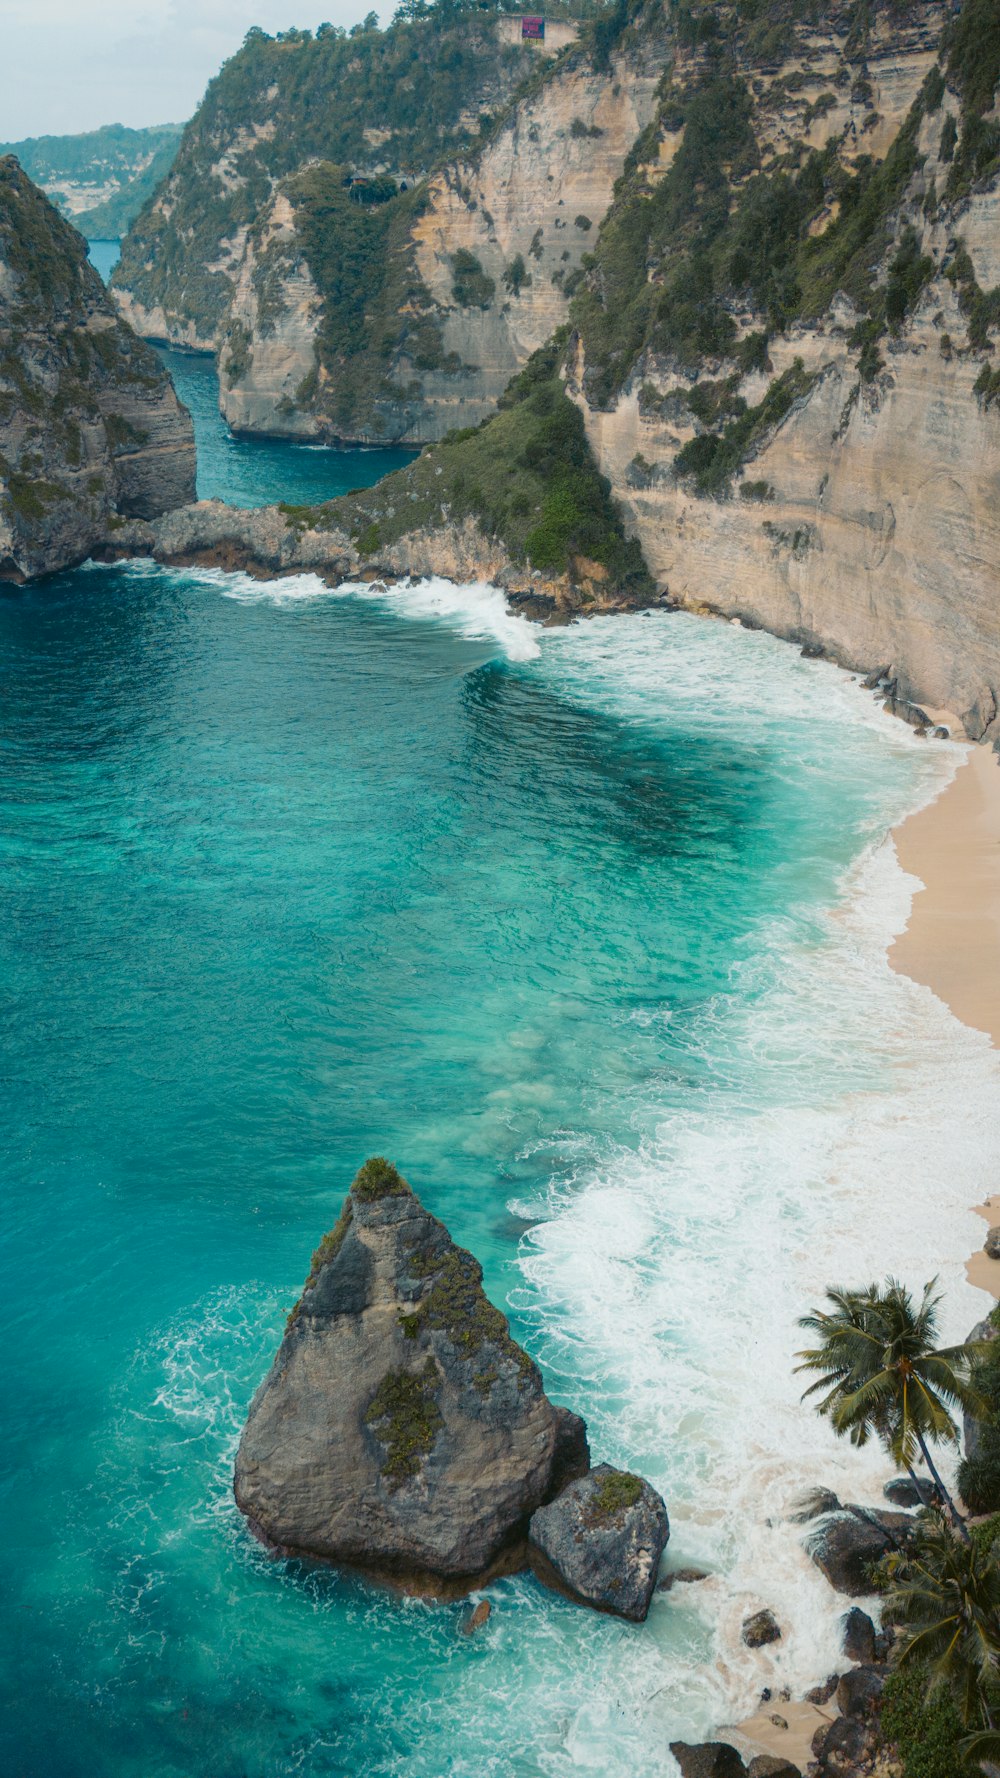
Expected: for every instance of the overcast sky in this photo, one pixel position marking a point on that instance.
(69, 65)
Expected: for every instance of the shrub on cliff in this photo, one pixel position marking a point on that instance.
(526, 476)
(926, 1730)
(979, 1472)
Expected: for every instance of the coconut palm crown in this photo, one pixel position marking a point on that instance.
(881, 1374)
(945, 1596)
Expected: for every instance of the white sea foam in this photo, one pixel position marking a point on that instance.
(478, 611)
(847, 1132)
(843, 1124)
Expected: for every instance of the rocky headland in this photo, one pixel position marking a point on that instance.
(91, 431)
(778, 303)
(403, 1432)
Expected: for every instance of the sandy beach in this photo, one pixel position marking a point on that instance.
(951, 944)
(952, 940)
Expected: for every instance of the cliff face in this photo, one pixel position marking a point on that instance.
(90, 427)
(487, 255)
(396, 305)
(831, 473)
(386, 105)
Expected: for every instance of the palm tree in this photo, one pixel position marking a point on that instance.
(882, 1374)
(946, 1595)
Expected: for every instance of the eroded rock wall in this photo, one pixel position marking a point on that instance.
(91, 431)
(867, 522)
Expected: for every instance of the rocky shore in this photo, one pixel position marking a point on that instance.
(270, 541)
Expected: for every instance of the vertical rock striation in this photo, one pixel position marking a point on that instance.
(90, 427)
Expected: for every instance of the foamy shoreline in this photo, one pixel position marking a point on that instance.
(951, 942)
(951, 945)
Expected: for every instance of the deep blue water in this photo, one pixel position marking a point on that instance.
(289, 877)
(257, 471)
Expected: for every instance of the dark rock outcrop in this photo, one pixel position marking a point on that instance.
(90, 428)
(761, 1628)
(846, 1546)
(991, 1245)
(904, 1492)
(839, 1746)
(707, 1759)
(859, 1636)
(859, 1691)
(601, 1541)
(400, 1429)
(770, 1765)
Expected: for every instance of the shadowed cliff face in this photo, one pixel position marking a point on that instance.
(90, 427)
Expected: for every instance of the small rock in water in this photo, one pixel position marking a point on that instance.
(858, 1641)
(477, 1618)
(601, 1541)
(760, 1628)
(814, 1504)
(682, 1577)
(871, 680)
(821, 1694)
(903, 1492)
(707, 1759)
(991, 1245)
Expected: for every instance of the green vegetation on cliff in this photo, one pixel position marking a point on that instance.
(526, 476)
(133, 162)
(360, 258)
(734, 228)
(404, 99)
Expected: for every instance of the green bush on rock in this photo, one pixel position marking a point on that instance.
(526, 476)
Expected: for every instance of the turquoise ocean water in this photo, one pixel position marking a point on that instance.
(586, 929)
(256, 471)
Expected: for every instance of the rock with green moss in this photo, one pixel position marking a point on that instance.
(401, 1429)
(90, 428)
(601, 1541)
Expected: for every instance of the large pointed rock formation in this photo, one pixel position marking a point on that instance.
(400, 1428)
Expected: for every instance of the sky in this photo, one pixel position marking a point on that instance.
(70, 65)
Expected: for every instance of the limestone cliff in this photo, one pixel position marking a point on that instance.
(488, 251)
(90, 428)
(400, 1428)
(814, 445)
(384, 106)
(377, 283)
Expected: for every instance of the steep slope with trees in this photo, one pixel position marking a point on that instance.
(91, 432)
(101, 178)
